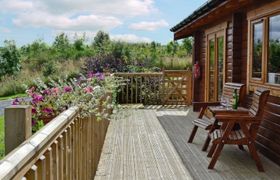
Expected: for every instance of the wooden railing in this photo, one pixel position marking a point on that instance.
(68, 147)
(168, 87)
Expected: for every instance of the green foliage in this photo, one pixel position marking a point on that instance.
(274, 56)
(49, 69)
(2, 144)
(9, 59)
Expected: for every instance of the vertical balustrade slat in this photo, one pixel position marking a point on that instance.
(41, 168)
(56, 160)
(49, 164)
(61, 155)
(32, 174)
(65, 158)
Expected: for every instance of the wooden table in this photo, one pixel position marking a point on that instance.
(220, 110)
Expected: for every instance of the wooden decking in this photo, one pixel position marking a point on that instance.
(152, 144)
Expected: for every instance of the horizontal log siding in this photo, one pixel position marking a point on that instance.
(229, 52)
(268, 139)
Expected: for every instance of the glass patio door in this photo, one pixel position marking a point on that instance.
(215, 71)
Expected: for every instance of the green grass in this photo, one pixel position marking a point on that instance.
(12, 96)
(2, 145)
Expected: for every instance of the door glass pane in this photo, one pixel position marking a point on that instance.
(212, 70)
(273, 68)
(257, 50)
(220, 65)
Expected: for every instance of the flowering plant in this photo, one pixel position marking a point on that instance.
(95, 93)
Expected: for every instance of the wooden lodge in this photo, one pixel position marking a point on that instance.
(238, 41)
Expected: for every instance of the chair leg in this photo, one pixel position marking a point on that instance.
(241, 147)
(255, 156)
(206, 143)
(192, 134)
(215, 156)
(212, 150)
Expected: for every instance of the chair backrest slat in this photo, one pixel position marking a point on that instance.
(229, 89)
(258, 103)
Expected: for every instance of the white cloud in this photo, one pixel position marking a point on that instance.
(131, 38)
(85, 15)
(59, 22)
(124, 8)
(5, 30)
(149, 26)
(16, 5)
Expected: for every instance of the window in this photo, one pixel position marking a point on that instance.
(257, 50)
(265, 51)
(273, 67)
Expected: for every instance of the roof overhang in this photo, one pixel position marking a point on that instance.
(208, 14)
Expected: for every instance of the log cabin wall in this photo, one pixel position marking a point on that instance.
(268, 139)
(199, 54)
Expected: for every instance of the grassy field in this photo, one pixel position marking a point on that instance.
(2, 151)
(12, 97)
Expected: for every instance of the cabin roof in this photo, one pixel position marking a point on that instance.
(211, 12)
(203, 9)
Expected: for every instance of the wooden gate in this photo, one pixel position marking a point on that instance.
(165, 88)
(177, 87)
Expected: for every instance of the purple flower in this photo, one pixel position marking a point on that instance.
(34, 110)
(37, 98)
(48, 110)
(33, 122)
(99, 76)
(67, 89)
(47, 92)
(90, 74)
(16, 101)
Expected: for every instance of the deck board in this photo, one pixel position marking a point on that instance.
(232, 164)
(152, 144)
(137, 147)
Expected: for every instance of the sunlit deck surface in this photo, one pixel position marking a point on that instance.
(151, 143)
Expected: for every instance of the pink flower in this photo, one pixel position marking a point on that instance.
(55, 90)
(67, 89)
(31, 91)
(88, 89)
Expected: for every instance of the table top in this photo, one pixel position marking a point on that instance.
(227, 110)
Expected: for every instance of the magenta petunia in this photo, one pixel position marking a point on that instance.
(16, 101)
(67, 89)
(48, 110)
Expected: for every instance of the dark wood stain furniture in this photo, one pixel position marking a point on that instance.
(206, 123)
(245, 134)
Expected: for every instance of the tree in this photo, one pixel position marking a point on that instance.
(172, 48)
(187, 45)
(9, 59)
(101, 42)
(62, 47)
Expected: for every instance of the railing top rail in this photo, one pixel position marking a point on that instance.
(24, 154)
(139, 74)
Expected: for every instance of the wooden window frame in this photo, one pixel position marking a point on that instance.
(253, 83)
(215, 32)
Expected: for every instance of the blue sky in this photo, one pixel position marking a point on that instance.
(127, 20)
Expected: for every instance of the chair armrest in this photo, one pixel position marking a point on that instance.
(198, 105)
(238, 118)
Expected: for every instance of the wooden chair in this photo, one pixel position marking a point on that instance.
(245, 135)
(206, 123)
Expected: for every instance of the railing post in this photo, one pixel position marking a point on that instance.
(18, 126)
